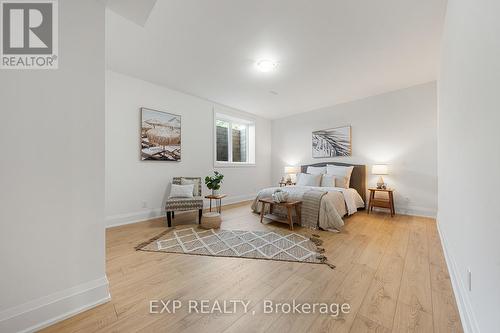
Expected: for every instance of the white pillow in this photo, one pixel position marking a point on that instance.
(195, 183)
(181, 191)
(304, 179)
(316, 170)
(342, 174)
(328, 180)
(297, 178)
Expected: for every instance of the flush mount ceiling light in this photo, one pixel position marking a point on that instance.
(266, 65)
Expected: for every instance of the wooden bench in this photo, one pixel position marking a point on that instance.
(289, 205)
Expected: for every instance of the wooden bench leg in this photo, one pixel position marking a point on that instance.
(290, 220)
(298, 212)
(262, 209)
(200, 213)
(173, 214)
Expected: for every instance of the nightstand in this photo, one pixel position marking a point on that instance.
(218, 200)
(381, 202)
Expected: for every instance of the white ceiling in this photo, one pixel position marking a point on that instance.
(329, 51)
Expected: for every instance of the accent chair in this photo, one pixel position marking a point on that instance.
(174, 204)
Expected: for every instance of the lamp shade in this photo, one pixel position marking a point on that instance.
(291, 170)
(379, 169)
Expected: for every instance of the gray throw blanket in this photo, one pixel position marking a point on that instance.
(311, 202)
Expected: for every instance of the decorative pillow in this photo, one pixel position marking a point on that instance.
(195, 183)
(342, 174)
(181, 191)
(304, 179)
(316, 170)
(297, 178)
(328, 181)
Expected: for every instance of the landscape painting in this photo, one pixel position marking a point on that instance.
(332, 142)
(160, 136)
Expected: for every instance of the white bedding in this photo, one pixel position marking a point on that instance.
(352, 199)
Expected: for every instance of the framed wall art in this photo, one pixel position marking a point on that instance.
(332, 142)
(160, 136)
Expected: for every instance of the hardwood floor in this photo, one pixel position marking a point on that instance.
(390, 270)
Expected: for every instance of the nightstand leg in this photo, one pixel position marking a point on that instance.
(391, 200)
(370, 204)
(372, 196)
(373, 199)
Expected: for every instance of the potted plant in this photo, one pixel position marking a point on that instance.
(213, 182)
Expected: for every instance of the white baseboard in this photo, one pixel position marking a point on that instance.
(469, 322)
(134, 217)
(416, 211)
(129, 218)
(47, 310)
(412, 211)
(236, 199)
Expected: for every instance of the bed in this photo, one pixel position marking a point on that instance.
(323, 207)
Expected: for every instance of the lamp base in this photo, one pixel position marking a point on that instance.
(380, 183)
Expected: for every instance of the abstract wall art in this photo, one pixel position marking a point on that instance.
(332, 142)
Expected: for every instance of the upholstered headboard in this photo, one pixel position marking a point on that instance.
(358, 176)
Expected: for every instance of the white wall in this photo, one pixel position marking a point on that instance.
(469, 158)
(52, 178)
(397, 128)
(130, 181)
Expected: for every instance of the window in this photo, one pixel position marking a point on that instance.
(234, 141)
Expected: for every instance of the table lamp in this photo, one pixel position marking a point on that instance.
(291, 173)
(380, 169)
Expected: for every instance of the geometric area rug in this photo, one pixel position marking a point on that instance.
(268, 245)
